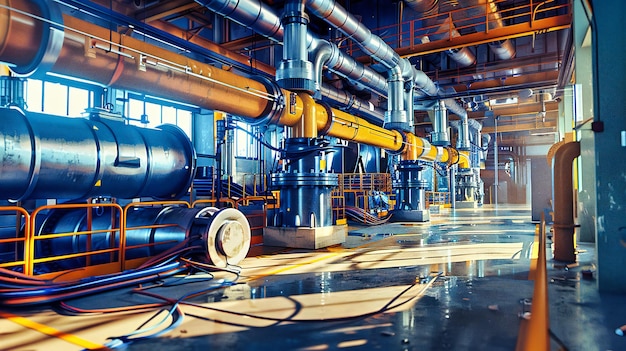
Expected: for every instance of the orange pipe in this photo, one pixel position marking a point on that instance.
(564, 227)
(307, 128)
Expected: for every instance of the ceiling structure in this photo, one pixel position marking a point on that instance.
(504, 59)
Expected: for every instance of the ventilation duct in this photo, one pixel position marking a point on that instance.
(476, 11)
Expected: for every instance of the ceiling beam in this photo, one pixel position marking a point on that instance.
(507, 32)
(164, 9)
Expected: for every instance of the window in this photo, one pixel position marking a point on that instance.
(58, 98)
(151, 112)
(245, 145)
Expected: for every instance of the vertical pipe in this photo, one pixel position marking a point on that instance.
(307, 128)
(564, 228)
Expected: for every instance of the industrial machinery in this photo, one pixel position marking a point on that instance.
(410, 189)
(220, 237)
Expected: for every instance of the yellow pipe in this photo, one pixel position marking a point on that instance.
(348, 127)
(307, 128)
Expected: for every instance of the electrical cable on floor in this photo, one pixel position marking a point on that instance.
(361, 216)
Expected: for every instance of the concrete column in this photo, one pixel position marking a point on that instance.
(583, 110)
(609, 122)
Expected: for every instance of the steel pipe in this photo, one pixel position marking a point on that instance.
(564, 227)
(44, 156)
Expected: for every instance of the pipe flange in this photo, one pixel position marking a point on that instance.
(404, 143)
(51, 43)
(273, 111)
(329, 121)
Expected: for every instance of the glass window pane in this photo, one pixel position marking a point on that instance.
(154, 114)
(169, 115)
(184, 121)
(33, 95)
(79, 101)
(135, 110)
(55, 99)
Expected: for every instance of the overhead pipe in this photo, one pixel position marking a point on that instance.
(564, 226)
(439, 135)
(203, 85)
(127, 63)
(353, 103)
(504, 49)
(262, 19)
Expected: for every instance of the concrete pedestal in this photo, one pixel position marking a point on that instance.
(303, 237)
(410, 216)
(465, 204)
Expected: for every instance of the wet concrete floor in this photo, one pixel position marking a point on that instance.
(459, 282)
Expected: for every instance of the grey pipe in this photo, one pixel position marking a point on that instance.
(350, 102)
(43, 157)
(253, 14)
(439, 135)
(250, 14)
(504, 49)
(324, 53)
(295, 71)
(262, 19)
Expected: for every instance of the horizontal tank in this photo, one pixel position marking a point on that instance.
(43, 157)
(217, 236)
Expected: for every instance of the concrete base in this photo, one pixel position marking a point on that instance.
(466, 204)
(305, 238)
(410, 216)
(435, 209)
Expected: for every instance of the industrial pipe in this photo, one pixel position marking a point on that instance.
(122, 66)
(127, 63)
(43, 156)
(564, 227)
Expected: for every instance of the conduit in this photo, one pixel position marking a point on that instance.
(564, 227)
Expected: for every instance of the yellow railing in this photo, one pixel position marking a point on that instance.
(21, 255)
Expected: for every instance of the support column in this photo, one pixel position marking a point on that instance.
(608, 125)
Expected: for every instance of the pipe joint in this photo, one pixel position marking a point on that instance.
(52, 36)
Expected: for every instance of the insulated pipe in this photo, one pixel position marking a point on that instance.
(262, 19)
(45, 156)
(564, 227)
(128, 65)
(250, 14)
(353, 103)
(324, 53)
(504, 50)
(336, 15)
(439, 135)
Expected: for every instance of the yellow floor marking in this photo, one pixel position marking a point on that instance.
(44, 329)
(293, 266)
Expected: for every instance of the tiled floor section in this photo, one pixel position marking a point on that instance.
(459, 282)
